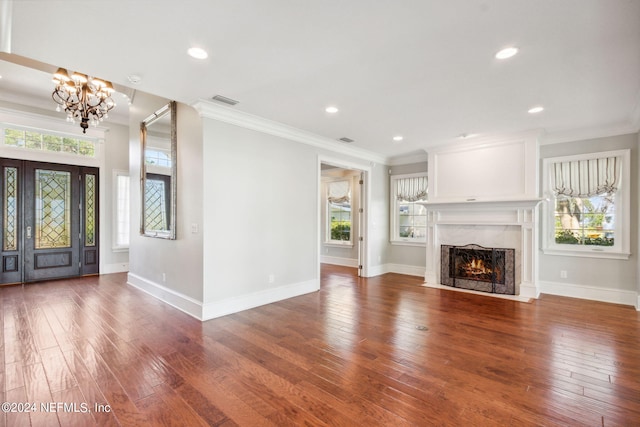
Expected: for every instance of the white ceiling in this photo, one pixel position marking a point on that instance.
(423, 69)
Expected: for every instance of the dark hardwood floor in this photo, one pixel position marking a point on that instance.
(379, 351)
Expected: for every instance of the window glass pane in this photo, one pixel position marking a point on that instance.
(585, 221)
(122, 208)
(70, 145)
(87, 148)
(412, 220)
(33, 140)
(52, 143)
(340, 221)
(14, 137)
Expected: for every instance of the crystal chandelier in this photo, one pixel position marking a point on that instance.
(83, 98)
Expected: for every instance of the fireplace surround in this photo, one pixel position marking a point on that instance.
(477, 268)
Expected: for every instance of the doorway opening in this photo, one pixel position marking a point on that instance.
(343, 215)
(50, 221)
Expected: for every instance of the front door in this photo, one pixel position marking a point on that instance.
(50, 219)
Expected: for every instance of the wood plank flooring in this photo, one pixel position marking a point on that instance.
(380, 351)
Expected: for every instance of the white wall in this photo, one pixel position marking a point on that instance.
(179, 260)
(592, 278)
(261, 243)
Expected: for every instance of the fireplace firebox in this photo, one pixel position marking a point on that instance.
(478, 268)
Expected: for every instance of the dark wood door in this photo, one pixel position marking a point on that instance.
(50, 221)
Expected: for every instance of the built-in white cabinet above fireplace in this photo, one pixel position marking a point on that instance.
(489, 169)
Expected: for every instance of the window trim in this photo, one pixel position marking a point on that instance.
(394, 237)
(621, 247)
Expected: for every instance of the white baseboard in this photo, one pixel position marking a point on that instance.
(377, 270)
(638, 303)
(529, 290)
(410, 270)
(121, 267)
(334, 260)
(175, 299)
(616, 296)
(214, 309)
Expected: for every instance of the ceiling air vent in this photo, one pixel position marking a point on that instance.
(224, 100)
(345, 139)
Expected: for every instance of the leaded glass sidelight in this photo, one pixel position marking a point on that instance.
(90, 210)
(52, 209)
(10, 214)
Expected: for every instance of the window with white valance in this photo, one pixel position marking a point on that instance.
(339, 205)
(408, 216)
(588, 210)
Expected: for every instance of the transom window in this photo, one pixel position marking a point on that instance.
(409, 217)
(35, 139)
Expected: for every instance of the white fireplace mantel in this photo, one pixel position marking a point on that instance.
(488, 223)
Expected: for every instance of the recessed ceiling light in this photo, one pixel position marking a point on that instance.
(197, 53)
(398, 138)
(331, 110)
(507, 53)
(535, 110)
(134, 78)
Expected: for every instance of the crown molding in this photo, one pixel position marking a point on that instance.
(591, 133)
(407, 159)
(210, 110)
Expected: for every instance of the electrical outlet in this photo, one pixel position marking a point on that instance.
(563, 274)
(164, 277)
(272, 278)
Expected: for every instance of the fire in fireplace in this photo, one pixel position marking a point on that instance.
(478, 268)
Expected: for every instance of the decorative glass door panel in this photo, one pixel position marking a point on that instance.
(52, 209)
